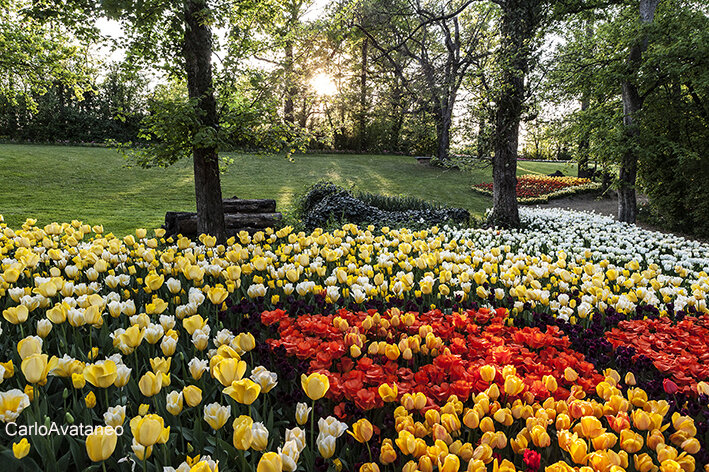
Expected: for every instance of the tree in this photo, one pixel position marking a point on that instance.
(175, 36)
(519, 26)
(669, 130)
(197, 51)
(632, 103)
(441, 38)
(37, 56)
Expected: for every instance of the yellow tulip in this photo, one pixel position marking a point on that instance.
(101, 443)
(388, 393)
(21, 449)
(362, 430)
(388, 453)
(193, 395)
(101, 374)
(35, 369)
(147, 430)
(16, 314)
(315, 385)
(244, 391)
(229, 370)
(150, 384)
(488, 372)
(270, 462)
(154, 281)
(78, 381)
(217, 295)
(242, 432)
(90, 400)
(193, 323)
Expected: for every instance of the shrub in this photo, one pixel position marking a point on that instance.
(326, 204)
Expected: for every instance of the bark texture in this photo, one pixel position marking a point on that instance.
(518, 25)
(198, 62)
(632, 104)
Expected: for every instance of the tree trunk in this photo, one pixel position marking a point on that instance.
(517, 29)
(288, 107)
(632, 103)
(362, 125)
(583, 169)
(443, 133)
(397, 120)
(198, 63)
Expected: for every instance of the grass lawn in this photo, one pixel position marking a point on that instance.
(60, 183)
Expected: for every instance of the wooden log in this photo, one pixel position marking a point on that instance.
(239, 205)
(186, 223)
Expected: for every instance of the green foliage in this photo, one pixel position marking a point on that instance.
(672, 141)
(36, 56)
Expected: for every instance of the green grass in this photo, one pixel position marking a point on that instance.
(61, 183)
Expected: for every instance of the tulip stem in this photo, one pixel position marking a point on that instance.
(103, 465)
(145, 460)
(312, 429)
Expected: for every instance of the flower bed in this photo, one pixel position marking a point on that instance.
(534, 188)
(439, 349)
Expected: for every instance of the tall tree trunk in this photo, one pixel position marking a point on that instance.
(583, 169)
(288, 106)
(632, 103)
(362, 118)
(397, 119)
(444, 119)
(198, 63)
(517, 29)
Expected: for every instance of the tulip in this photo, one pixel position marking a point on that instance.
(21, 449)
(267, 380)
(16, 315)
(217, 295)
(388, 453)
(35, 369)
(115, 416)
(101, 374)
(154, 281)
(78, 381)
(315, 385)
(28, 346)
(173, 402)
(259, 436)
(101, 443)
(216, 415)
(362, 430)
(244, 391)
(388, 393)
(147, 430)
(141, 452)
(513, 385)
(302, 412)
(90, 400)
(150, 384)
(242, 432)
(229, 370)
(270, 462)
(192, 394)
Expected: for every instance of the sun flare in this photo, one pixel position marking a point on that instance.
(323, 84)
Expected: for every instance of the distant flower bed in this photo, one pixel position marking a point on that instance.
(540, 188)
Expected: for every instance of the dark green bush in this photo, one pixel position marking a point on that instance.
(325, 204)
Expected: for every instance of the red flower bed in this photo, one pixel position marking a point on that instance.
(448, 362)
(680, 350)
(534, 186)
